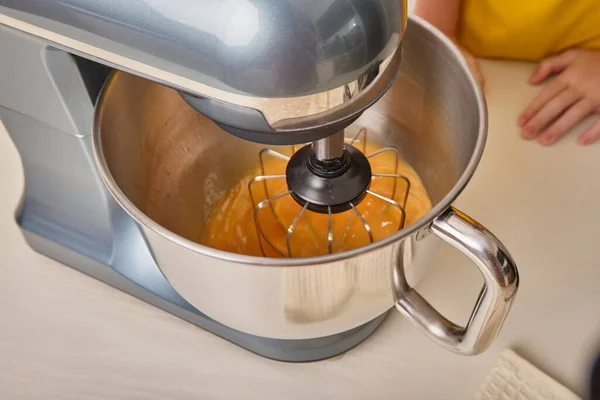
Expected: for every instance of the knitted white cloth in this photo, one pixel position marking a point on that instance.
(513, 378)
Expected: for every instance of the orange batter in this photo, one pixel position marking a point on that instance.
(231, 224)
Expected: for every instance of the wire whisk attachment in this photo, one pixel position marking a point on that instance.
(287, 227)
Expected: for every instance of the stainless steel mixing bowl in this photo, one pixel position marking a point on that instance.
(167, 165)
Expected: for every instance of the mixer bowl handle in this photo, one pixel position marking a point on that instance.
(501, 280)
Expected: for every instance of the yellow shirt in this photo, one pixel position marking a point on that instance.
(528, 29)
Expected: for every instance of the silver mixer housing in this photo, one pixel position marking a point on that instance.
(277, 71)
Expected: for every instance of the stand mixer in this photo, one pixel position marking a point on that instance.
(270, 72)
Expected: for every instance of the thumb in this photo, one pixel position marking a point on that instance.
(552, 65)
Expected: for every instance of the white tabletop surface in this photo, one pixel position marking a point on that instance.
(64, 335)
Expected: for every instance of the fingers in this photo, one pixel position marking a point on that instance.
(549, 111)
(549, 92)
(591, 135)
(552, 65)
(566, 121)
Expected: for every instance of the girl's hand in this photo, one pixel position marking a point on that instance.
(570, 97)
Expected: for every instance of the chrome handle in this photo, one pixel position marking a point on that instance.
(501, 282)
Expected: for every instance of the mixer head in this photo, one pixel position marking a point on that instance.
(309, 71)
(327, 201)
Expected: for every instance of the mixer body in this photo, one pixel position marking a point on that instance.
(131, 216)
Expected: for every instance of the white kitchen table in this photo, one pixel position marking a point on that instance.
(64, 335)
